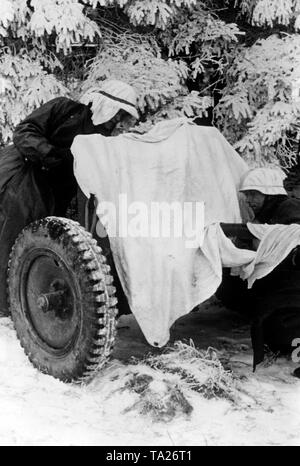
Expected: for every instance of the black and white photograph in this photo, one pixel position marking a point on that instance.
(149, 225)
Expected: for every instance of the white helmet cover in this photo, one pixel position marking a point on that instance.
(111, 97)
(265, 180)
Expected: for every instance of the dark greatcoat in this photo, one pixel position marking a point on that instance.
(36, 172)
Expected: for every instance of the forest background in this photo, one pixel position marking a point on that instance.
(232, 63)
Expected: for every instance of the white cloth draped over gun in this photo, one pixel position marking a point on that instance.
(276, 242)
(176, 161)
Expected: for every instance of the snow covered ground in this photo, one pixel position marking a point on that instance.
(36, 409)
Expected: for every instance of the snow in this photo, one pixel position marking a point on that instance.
(37, 409)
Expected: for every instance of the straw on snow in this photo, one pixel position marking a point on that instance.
(164, 383)
(199, 370)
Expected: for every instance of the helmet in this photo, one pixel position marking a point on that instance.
(265, 180)
(108, 99)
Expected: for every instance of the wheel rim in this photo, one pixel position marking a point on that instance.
(50, 300)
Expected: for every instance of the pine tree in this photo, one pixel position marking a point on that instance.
(260, 107)
(177, 53)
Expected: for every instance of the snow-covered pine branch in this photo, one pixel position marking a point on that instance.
(261, 98)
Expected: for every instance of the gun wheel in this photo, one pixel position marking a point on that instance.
(62, 299)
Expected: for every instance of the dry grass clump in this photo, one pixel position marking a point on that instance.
(198, 370)
(164, 382)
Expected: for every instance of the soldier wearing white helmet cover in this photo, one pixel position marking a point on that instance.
(273, 303)
(44, 138)
(36, 171)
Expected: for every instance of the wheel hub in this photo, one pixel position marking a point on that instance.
(51, 299)
(57, 301)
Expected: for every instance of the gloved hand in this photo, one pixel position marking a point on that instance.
(55, 157)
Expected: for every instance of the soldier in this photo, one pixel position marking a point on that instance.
(275, 299)
(44, 138)
(36, 172)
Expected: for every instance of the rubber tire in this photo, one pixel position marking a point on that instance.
(97, 307)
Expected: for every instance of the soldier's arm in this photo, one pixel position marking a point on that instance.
(31, 136)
